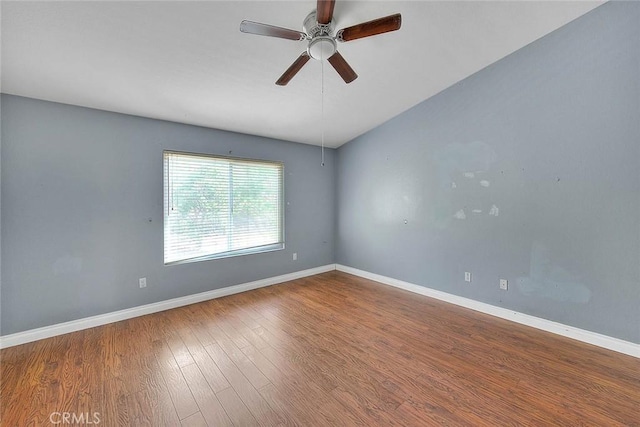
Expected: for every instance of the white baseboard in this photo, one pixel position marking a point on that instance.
(589, 337)
(103, 319)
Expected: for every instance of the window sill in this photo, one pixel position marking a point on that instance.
(231, 254)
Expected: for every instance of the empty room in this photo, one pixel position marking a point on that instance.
(320, 213)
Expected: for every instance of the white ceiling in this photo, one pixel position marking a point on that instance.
(188, 62)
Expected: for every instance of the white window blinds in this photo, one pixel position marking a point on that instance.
(218, 207)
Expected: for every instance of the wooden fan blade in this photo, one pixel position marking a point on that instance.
(251, 27)
(371, 28)
(293, 69)
(346, 72)
(324, 11)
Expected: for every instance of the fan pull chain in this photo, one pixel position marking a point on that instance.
(322, 105)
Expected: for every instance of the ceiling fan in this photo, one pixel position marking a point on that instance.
(322, 42)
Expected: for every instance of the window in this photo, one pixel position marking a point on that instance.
(218, 207)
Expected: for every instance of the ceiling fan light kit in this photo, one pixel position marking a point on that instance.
(322, 47)
(322, 42)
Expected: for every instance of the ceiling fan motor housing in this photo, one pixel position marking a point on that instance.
(322, 44)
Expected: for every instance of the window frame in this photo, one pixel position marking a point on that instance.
(228, 254)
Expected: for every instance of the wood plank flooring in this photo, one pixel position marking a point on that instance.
(331, 349)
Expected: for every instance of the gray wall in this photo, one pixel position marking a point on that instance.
(545, 146)
(1, 217)
(82, 212)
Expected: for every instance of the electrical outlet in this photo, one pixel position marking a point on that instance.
(467, 276)
(143, 282)
(295, 256)
(504, 284)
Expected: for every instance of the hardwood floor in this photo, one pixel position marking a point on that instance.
(331, 349)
